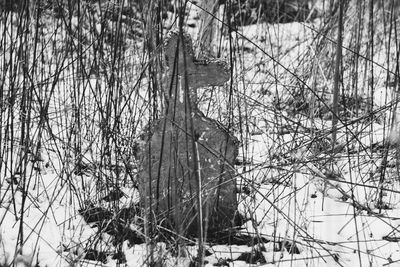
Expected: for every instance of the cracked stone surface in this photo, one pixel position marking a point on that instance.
(167, 180)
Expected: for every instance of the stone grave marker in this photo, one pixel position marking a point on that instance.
(167, 181)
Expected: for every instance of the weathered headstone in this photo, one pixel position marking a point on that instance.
(168, 183)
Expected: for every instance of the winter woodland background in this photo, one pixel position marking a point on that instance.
(313, 100)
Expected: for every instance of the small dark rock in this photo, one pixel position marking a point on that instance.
(114, 195)
(253, 257)
(120, 257)
(289, 246)
(95, 214)
(94, 255)
(246, 190)
(207, 253)
(222, 262)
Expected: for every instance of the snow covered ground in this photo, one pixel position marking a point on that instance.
(306, 209)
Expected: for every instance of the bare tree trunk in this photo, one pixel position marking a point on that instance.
(337, 75)
(208, 30)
